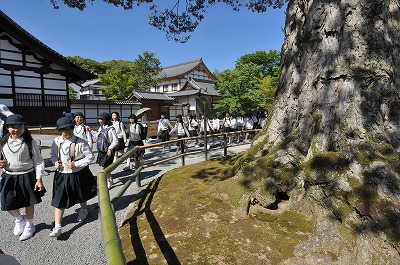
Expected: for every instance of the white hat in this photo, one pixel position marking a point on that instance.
(5, 111)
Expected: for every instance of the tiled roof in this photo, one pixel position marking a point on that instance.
(29, 41)
(105, 102)
(178, 69)
(151, 95)
(91, 82)
(206, 87)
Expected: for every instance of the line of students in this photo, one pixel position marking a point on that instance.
(22, 168)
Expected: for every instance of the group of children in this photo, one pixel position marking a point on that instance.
(22, 166)
(189, 127)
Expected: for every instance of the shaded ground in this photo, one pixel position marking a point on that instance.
(178, 220)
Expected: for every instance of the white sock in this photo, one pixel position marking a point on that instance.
(56, 226)
(115, 159)
(19, 218)
(29, 222)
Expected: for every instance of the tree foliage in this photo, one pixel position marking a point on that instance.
(89, 65)
(179, 18)
(240, 89)
(268, 60)
(251, 85)
(72, 94)
(121, 77)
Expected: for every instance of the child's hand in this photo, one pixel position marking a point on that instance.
(71, 164)
(109, 152)
(87, 128)
(39, 185)
(58, 165)
(3, 163)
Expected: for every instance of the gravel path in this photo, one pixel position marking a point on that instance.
(81, 243)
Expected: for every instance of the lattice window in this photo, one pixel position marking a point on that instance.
(55, 101)
(28, 100)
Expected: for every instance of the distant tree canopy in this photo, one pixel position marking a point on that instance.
(177, 18)
(251, 85)
(122, 76)
(88, 64)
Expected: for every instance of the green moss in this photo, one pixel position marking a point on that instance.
(335, 161)
(289, 227)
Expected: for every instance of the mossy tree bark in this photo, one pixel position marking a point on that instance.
(334, 134)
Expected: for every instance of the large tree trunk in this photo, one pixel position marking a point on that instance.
(333, 139)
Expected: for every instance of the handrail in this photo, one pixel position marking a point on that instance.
(112, 241)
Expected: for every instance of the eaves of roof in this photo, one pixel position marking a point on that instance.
(105, 102)
(151, 96)
(75, 73)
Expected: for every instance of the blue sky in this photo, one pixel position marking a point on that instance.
(103, 32)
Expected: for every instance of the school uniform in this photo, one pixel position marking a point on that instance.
(134, 137)
(145, 124)
(215, 126)
(182, 132)
(20, 174)
(164, 126)
(102, 158)
(226, 125)
(121, 135)
(208, 126)
(72, 185)
(81, 132)
(239, 123)
(192, 124)
(248, 123)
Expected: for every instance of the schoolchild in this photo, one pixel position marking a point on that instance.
(105, 156)
(182, 132)
(81, 130)
(121, 134)
(164, 127)
(208, 126)
(145, 124)
(239, 126)
(232, 121)
(22, 177)
(192, 127)
(226, 125)
(134, 140)
(73, 181)
(255, 121)
(248, 124)
(215, 123)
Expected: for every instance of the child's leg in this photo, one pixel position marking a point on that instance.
(29, 211)
(58, 215)
(29, 228)
(83, 212)
(15, 213)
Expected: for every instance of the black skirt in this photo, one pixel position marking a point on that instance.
(104, 160)
(72, 188)
(121, 145)
(165, 135)
(192, 133)
(17, 191)
(132, 144)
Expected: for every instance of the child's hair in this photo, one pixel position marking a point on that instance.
(117, 113)
(180, 118)
(134, 117)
